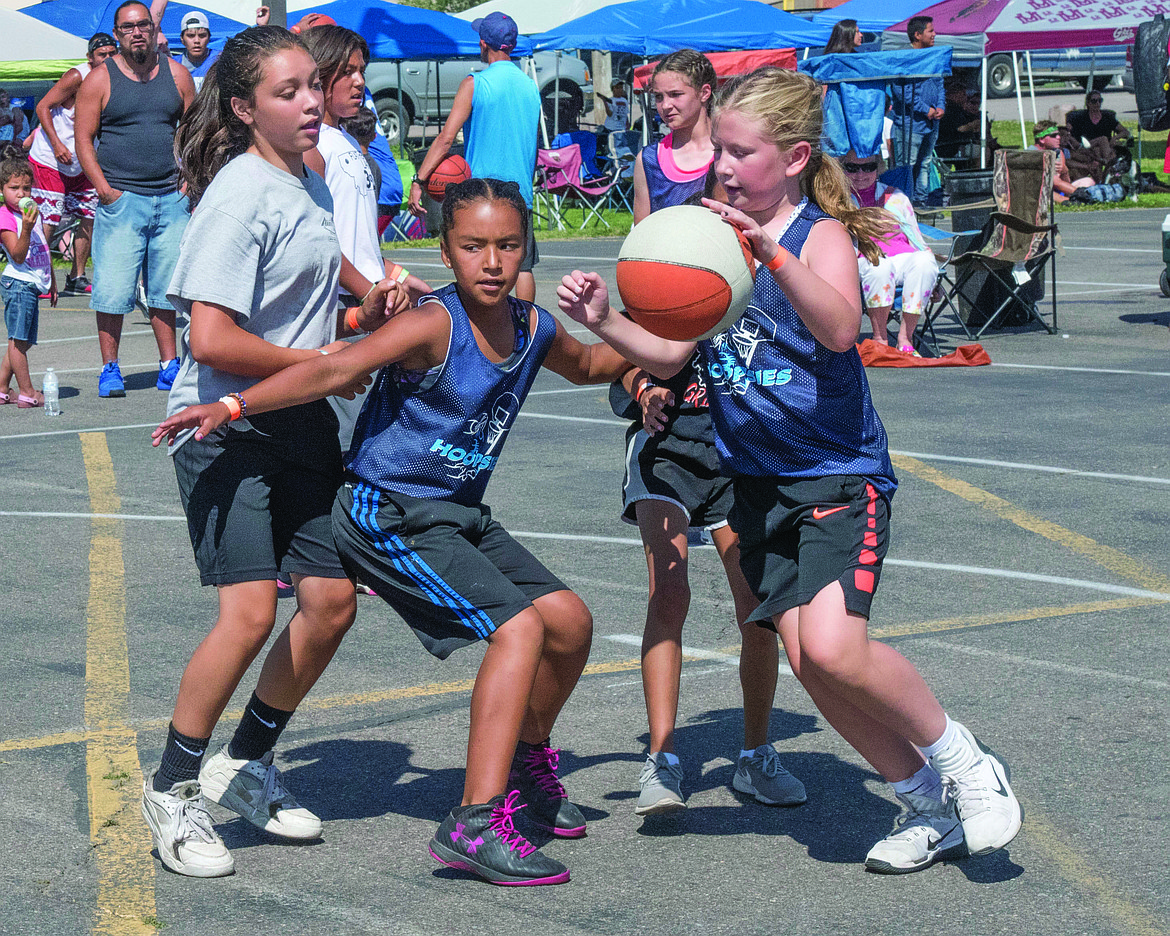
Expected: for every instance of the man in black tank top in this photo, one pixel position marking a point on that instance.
(132, 105)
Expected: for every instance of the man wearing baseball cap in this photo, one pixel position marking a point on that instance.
(498, 109)
(60, 187)
(196, 34)
(1046, 135)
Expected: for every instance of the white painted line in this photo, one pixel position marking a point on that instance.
(1050, 469)
(1153, 250)
(730, 659)
(1031, 577)
(126, 369)
(65, 515)
(584, 419)
(57, 432)
(604, 387)
(125, 334)
(1083, 370)
(1112, 291)
(1118, 286)
(949, 647)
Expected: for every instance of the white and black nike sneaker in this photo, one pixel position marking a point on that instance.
(927, 831)
(983, 797)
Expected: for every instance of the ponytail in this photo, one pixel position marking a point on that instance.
(787, 105)
(210, 134)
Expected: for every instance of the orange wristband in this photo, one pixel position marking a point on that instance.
(233, 406)
(779, 260)
(398, 274)
(646, 385)
(351, 321)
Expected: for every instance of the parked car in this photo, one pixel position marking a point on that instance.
(1105, 63)
(415, 101)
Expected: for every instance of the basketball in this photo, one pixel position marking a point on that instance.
(685, 274)
(451, 170)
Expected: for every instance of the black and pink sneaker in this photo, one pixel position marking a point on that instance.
(482, 839)
(534, 775)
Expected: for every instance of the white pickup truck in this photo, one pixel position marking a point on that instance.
(420, 99)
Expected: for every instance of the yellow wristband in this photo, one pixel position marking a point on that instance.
(779, 260)
(233, 406)
(351, 320)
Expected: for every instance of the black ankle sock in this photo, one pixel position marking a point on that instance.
(181, 760)
(258, 730)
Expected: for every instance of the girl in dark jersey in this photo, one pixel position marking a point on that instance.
(410, 523)
(796, 428)
(673, 482)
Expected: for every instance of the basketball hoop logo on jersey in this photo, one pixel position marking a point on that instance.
(735, 349)
(487, 429)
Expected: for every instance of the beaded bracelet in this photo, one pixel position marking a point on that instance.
(235, 404)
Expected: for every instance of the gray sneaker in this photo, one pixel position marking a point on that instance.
(762, 776)
(926, 832)
(181, 828)
(256, 790)
(659, 784)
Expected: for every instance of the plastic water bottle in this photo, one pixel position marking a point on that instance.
(51, 391)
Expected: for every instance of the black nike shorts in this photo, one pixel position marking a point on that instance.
(798, 535)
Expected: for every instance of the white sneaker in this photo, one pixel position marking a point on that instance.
(927, 831)
(984, 800)
(257, 792)
(762, 776)
(181, 828)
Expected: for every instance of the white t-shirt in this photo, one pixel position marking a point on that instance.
(261, 243)
(35, 269)
(41, 150)
(355, 203)
(619, 119)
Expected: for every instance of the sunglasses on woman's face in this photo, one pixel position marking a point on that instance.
(853, 168)
(1094, 100)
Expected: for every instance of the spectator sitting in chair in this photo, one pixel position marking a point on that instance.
(1047, 137)
(907, 261)
(1093, 122)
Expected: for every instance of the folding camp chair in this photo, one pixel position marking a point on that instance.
(1003, 275)
(559, 178)
(623, 152)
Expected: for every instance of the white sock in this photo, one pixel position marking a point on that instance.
(671, 759)
(926, 782)
(952, 753)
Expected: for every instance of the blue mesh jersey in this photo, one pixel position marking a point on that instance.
(440, 438)
(783, 404)
(666, 184)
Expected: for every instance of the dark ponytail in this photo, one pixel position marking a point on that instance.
(210, 134)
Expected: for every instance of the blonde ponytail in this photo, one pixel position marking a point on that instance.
(787, 104)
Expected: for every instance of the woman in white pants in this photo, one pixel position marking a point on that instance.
(906, 260)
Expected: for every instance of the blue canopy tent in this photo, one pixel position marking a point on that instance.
(871, 15)
(397, 32)
(85, 17)
(658, 27)
(855, 95)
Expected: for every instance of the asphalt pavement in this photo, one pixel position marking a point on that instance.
(1028, 579)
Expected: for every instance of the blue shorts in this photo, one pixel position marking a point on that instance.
(20, 308)
(137, 234)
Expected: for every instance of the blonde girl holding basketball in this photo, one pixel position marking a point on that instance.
(673, 482)
(811, 467)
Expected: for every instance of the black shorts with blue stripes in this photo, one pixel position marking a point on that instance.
(452, 572)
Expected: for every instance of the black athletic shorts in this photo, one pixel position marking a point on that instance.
(684, 472)
(797, 536)
(531, 254)
(452, 572)
(260, 501)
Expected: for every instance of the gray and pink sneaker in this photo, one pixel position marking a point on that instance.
(534, 776)
(483, 839)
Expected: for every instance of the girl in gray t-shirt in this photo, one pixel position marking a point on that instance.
(255, 286)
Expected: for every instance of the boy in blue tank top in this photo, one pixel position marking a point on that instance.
(409, 521)
(796, 429)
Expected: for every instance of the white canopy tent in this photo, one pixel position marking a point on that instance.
(533, 16)
(29, 40)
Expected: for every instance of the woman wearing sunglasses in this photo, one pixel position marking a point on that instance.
(906, 260)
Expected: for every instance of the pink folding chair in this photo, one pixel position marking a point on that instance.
(558, 174)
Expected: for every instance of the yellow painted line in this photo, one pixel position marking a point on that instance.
(1127, 915)
(120, 840)
(1105, 556)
